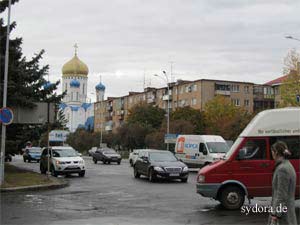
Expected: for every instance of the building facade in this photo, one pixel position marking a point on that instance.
(113, 112)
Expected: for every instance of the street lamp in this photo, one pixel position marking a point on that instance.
(291, 37)
(166, 79)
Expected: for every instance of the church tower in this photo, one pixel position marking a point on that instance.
(74, 80)
(100, 91)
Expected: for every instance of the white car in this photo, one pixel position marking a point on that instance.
(133, 156)
(63, 161)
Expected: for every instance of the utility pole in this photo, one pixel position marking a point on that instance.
(3, 134)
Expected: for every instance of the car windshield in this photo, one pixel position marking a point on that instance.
(162, 157)
(35, 150)
(64, 153)
(109, 151)
(217, 147)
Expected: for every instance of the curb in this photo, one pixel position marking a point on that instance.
(57, 184)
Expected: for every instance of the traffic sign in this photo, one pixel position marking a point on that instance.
(171, 138)
(6, 116)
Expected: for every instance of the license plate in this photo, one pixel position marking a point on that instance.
(174, 174)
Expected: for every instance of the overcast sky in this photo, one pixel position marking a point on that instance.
(123, 39)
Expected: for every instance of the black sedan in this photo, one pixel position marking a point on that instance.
(106, 155)
(156, 164)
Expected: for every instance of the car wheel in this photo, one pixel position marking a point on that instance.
(232, 197)
(10, 159)
(136, 173)
(95, 160)
(37, 161)
(81, 174)
(130, 162)
(151, 175)
(104, 162)
(119, 163)
(29, 160)
(184, 180)
(53, 172)
(108, 162)
(24, 159)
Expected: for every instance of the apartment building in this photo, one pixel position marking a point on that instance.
(114, 111)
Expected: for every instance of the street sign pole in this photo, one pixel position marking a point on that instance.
(3, 134)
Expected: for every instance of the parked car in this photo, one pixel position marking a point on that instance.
(106, 155)
(200, 150)
(32, 154)
(92, 150)
(63, 161)
(8, 157)
(133, 156)
(246, 170)
(160, 164)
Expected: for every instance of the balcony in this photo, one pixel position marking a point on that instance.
(109, 108)
(151, 99)
(167, 97)
(222, 92)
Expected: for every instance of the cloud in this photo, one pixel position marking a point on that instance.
(227, 39)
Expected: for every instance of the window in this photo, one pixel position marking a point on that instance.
(77, 96)
(176, 91)
(83, 89)
(195, 87)
(235, 88)
(66, 87)
(194, 101)
(71, 96)
(246, 102)
(253, 149)
(202, 147)
(246, 89)
(293, 143)
(181, 90)
(235, 102)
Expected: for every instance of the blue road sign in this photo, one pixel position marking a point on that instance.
(6, 116)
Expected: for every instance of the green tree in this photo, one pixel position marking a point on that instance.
(195, 117)
(26, 84)
(132, 136)
(146, 115)
(225, 119)
(290, 88)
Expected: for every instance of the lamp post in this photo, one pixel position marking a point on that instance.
(166, 79)
(291, 37)
(3, 134)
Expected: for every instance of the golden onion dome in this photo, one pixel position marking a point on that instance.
(75, 67)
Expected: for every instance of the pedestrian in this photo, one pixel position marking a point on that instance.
(283, 187)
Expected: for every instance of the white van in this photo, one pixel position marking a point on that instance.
(199, 150)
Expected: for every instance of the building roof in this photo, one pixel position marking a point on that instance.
(277, 81)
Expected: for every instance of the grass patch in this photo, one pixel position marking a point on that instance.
(16, 177)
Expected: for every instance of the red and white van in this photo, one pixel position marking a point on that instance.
(247, 168)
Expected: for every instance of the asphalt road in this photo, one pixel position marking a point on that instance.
(109, 194)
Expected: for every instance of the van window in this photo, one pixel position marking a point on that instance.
(293, 143)
(202, 147)
(217, 147)
(254, 149)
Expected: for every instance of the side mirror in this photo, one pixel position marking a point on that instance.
(205, 152)
(145, 159)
